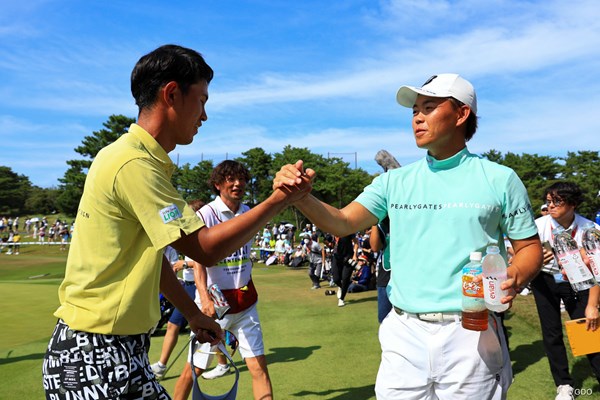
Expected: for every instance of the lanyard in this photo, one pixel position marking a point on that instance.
(197, 393)
(573, 232)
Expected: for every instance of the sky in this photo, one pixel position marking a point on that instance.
(321, 75)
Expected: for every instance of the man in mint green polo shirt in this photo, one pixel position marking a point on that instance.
(440, 208)
(128, 214)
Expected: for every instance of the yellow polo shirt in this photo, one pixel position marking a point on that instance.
(128, 214)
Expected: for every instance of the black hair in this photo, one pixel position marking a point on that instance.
(568, 192)
(227, 169)
(166, 64)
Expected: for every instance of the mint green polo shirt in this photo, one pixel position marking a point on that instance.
(441, 211)
(128, 214)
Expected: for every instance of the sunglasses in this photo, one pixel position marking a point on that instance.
(556, 202)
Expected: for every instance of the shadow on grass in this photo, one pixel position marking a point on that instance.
(363, 392)
(9, 360)
(277, 355)
(581, 371)
(350, 299)
(290, 354)
(526, 354)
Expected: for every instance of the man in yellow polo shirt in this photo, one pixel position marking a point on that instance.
(128, 214)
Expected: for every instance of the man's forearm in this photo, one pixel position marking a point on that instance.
(210, 245)
(527, 261)
(172, 289)
(200, 278)
(352, 218)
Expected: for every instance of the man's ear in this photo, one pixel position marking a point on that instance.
(169, 92)
(463, 114)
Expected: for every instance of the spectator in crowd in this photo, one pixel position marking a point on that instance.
(128, 213)
(10, 242)
(289, 234)
(288, 251)
(298, 257)
(365, 246)
(64, 235)
(316, 255)
(328, 244)
(306, 232)
(550, 287)
(177, 321)
(233, 275)
(281, 228)
(17, 242)
(42, 234)
(361, 278)
(266, 242)
(345, 254)
(441, 208)
(544, 209)
(280, 248)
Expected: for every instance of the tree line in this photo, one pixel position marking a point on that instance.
(337, 183)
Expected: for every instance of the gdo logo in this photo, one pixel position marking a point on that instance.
(583, 392)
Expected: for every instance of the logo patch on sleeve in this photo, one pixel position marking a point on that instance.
(170, 213)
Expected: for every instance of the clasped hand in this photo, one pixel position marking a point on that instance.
(294, 181)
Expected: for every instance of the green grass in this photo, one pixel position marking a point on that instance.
(315, 350)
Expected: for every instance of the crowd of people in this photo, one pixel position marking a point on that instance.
(414, 227)
(319, 250)
(35, 229)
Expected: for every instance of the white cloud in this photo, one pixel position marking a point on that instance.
(321, 76)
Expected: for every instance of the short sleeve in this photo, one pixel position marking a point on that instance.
(374, 197)
(517, 214)
(145, 193)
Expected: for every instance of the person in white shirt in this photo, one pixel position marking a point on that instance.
(233, 275)
(550, 287)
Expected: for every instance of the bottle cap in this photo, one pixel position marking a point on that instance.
(475, 256)
(492, 249)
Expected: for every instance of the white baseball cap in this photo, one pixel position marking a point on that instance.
(442, 85)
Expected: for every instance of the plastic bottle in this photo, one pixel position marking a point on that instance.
(474, 311)
(494, 274)
(591, 244)
(569, 257)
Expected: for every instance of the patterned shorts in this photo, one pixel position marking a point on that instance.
(83, 365)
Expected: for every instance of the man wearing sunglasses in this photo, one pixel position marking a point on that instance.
(233, 275)
(440, 209)
(550, 287)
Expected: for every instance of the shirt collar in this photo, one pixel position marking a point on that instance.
(152, 147)
(222, 207)
(448, 163)
(571, 227)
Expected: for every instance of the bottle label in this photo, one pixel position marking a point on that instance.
(576, 269)
(493, 293)
(470, 288)
(594, 257)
